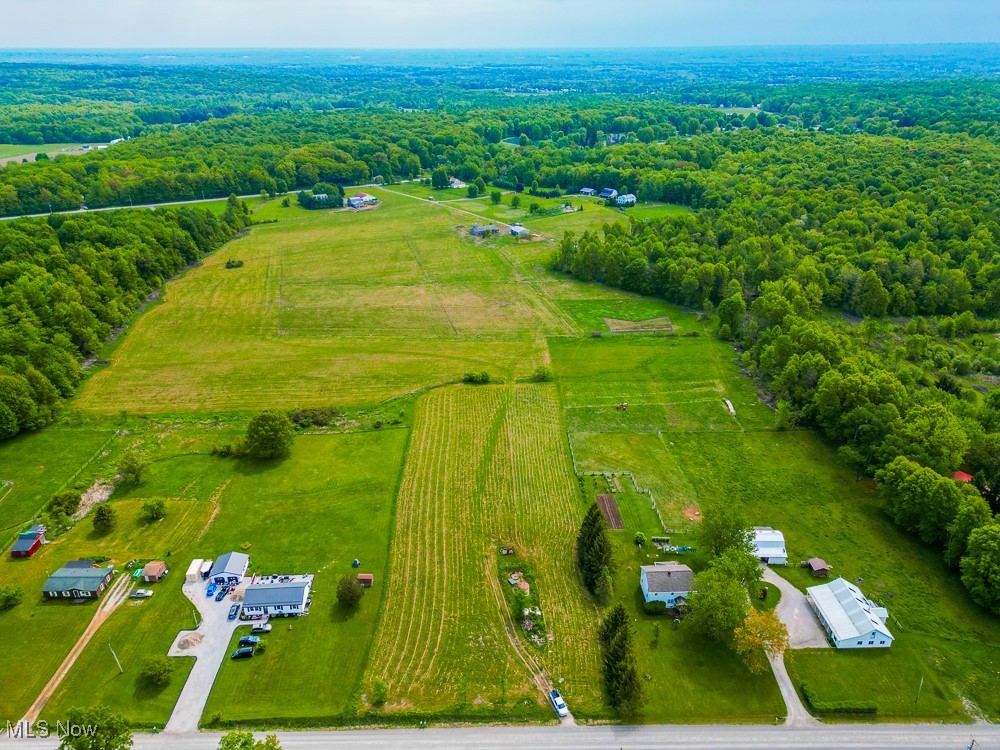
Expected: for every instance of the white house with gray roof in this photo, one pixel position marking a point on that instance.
(851, 619)
(666, 582)
(769, 545)
(280, 596)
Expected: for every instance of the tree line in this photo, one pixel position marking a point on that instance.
(68, 282)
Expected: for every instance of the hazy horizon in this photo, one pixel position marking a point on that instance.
(516, 24)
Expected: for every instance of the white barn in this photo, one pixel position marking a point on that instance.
(769, 545)
(849, 617)
(281, 597)
(666, 582)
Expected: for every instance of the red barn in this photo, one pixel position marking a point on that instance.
(28, 542)
(366, 580)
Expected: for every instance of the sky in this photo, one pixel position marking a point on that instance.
(414, 24)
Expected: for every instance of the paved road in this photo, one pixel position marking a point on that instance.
(119, 208)
(216, 630)
(841, 736)
(804, 630)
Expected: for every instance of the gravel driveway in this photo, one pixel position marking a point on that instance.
(804, 630)
(209, 644)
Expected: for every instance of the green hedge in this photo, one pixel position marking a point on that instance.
(837, 707)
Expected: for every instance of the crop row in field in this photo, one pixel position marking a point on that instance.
(487, 467)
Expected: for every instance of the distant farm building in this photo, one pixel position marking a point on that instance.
(367, 198)
(961, 476)
(366, 580)
(519, 231)
(769, 546)
(154, 571)
(230, 568)
(626, 200)
(849, 617)
(28, 542)
(667, 582)
(78, 579)
(284, 597)
(588, 191)
(484, 230)
(355, 202)
(608, 194)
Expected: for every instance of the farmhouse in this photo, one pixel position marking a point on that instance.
(588, 191)
(626, 200)
(483, 230)
(231, 567)
(769, 546)
(154, 571)
(608, 194)
(519, 231)
(355, 202)
(849, 617)
(78, 580)
(667, 582)
(28, 542)
(367, 198)
(282, 596)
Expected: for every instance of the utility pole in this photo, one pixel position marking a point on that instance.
(120, 670)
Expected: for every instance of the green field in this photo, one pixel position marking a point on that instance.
(486, 468)
(18, 149)
(380, 312)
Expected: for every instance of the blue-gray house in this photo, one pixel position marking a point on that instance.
(667, 582)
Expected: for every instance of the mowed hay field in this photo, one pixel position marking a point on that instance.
(487, 466)
(330, 307)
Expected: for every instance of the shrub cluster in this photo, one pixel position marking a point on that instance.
(855, 706)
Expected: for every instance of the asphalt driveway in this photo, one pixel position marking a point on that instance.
(804, 630)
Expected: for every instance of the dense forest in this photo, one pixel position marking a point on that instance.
(67, 284)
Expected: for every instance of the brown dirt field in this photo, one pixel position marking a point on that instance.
(609, 508)
(650, 325)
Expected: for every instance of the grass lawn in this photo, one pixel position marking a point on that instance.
(34, 466)
(331, 308)
(38, 633)
(18, 149)
(487, 467)
(329, 503)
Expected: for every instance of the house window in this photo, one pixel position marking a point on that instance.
(871, 643)
(860, 643)
(881, 643)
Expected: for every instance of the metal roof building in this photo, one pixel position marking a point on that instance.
(850, 618)
(278, 598)
(230, 565)
(769, 545)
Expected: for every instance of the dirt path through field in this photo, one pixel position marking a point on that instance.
(115, 596)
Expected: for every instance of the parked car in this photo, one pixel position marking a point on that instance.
(221, 595)
(558, 704)
(261, 627)
(233, 611)
(141, 594)
(242, 653)
(249, 640)
(211, 589)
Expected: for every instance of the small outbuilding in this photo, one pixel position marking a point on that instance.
(961, 476)
(193, 574)
(520, 231)
(28, 542)
(154, 571)
(819, 567)
(588, 191)
(366, 580)
(206, 569)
